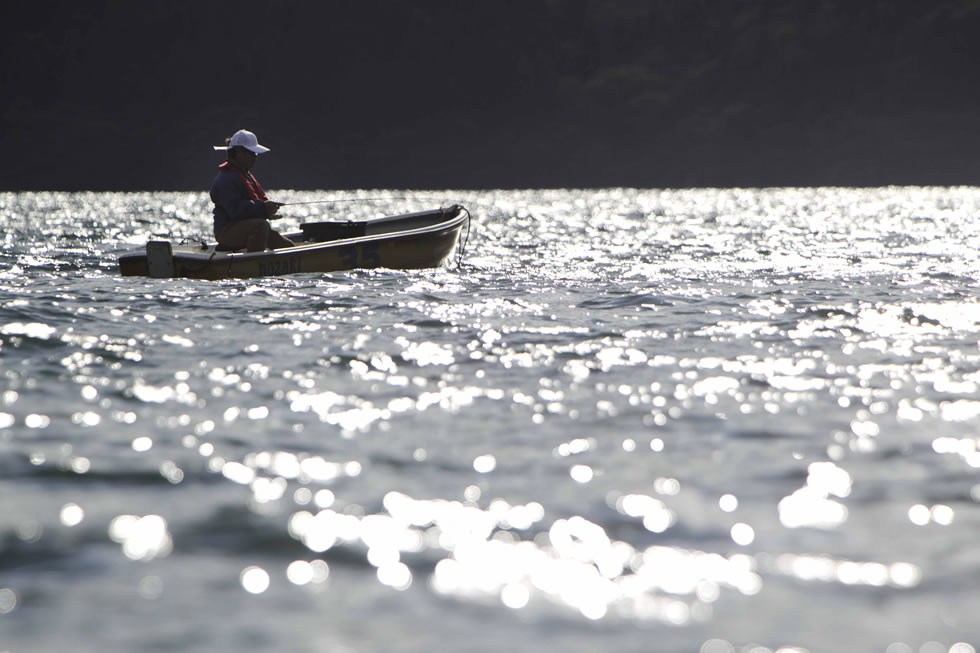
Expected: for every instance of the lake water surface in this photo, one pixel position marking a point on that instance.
(692, 421)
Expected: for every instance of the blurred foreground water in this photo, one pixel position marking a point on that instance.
(631, 420)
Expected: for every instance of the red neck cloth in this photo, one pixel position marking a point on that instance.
(252, 185)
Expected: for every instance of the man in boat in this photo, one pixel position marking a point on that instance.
(241, 209)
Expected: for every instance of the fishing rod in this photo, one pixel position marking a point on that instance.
(353, 199)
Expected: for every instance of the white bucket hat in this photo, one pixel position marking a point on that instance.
(246, 139)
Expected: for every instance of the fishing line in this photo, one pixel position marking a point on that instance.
(461, 250)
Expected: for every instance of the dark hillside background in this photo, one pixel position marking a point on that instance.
(132, 95)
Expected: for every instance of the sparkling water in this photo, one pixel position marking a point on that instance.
(630, 420)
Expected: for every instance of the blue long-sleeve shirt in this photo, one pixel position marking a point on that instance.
(231, 200)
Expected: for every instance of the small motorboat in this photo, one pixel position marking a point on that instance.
(408, 241)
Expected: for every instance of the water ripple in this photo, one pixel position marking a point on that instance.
(697, 412)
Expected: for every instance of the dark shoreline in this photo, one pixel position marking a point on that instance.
(536, 94)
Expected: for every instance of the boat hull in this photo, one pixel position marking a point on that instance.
(410, 241)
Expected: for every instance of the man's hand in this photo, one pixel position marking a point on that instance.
(271, 208)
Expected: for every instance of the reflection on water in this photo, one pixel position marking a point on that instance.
(698, 413)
